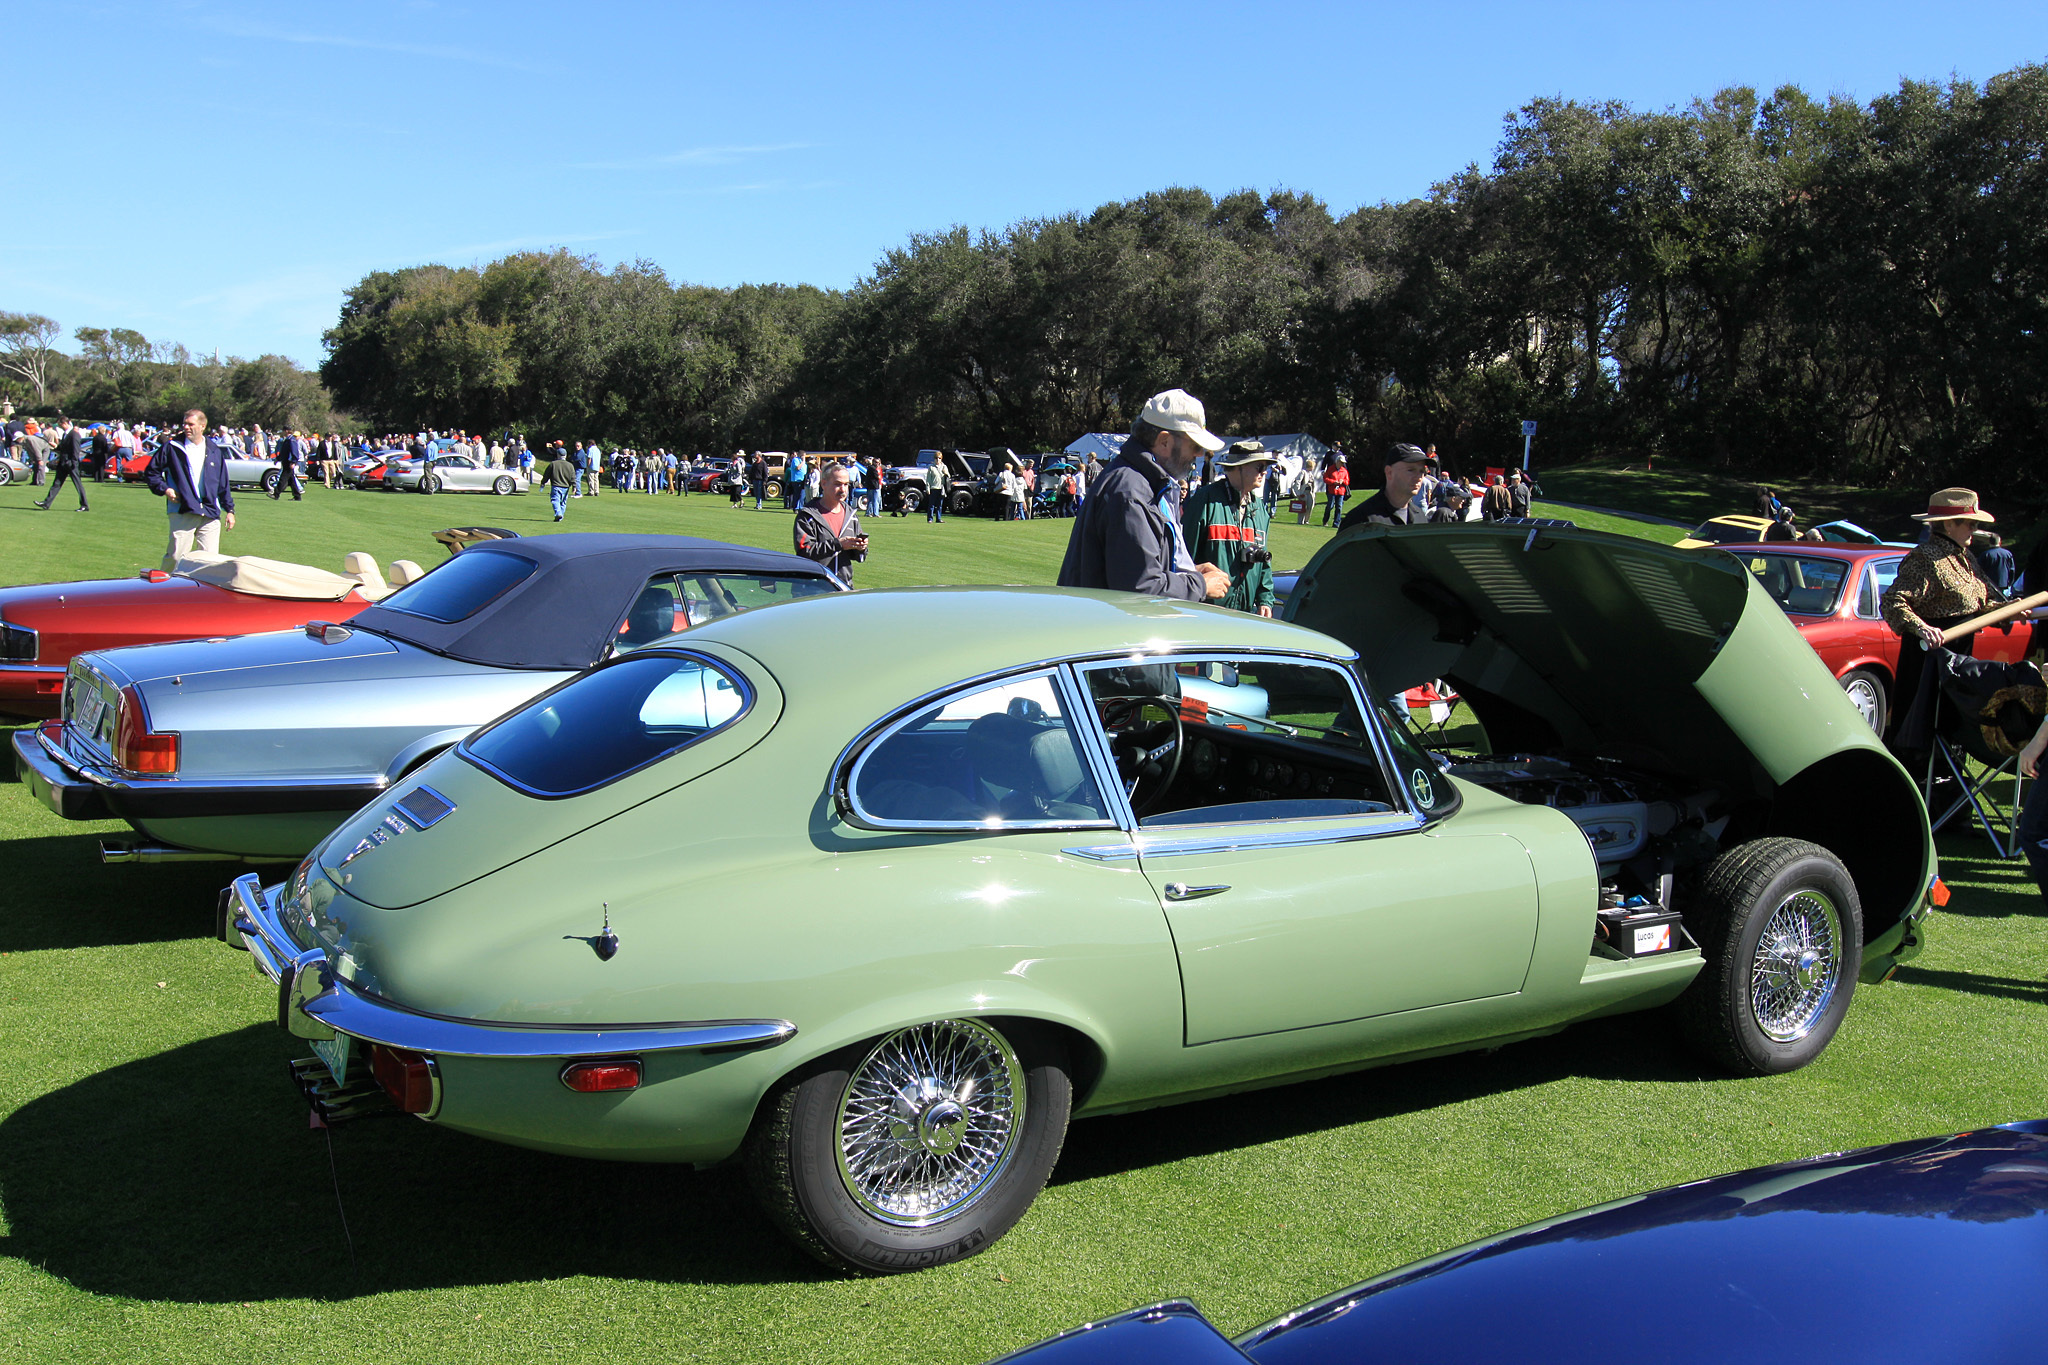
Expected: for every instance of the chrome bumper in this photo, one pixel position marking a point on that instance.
(54, 779)
(315, 1003)
(94, 791)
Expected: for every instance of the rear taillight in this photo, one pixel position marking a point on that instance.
(136, 747)
(407, 1077)
(591, 1078)
(18, 644)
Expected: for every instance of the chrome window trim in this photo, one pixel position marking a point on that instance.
(1251, 837)
(19, 666)
(1105, 853)
(1095, 750)
(847, 771)
(723, 669)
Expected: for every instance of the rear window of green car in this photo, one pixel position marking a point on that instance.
(609, 722)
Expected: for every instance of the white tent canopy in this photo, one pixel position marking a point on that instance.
(1103, 445)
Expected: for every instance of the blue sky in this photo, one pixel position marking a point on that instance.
(218, 173)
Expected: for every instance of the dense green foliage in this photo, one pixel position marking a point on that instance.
(117, 373)
(1766, 284)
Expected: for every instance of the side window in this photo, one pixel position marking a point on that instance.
(1876, 582)
(1231, 739)
(997, 757)
(652, 615)
(708, 596)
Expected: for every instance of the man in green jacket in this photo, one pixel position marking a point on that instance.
(1225, 525)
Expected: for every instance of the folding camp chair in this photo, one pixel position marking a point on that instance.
(1979, 716)
(1429, 711)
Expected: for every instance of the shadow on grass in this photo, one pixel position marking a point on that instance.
(57, 894)
(1973, 983)
(191, 1176)
(1636, 1047)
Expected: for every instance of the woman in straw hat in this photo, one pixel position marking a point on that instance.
(1937, 587)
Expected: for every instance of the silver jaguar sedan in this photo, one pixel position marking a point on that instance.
(453, 474)
(256, 747)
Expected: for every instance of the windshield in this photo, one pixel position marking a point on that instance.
(609, 722)
(1801, 584)
(458, 589)
(1723, 533)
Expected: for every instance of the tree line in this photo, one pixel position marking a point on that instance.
(119, 374)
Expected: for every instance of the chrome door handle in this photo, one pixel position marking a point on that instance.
(1181, 891)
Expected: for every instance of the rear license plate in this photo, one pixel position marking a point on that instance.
(87, 707)
(334, 1051)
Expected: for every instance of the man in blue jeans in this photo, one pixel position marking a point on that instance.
(560, 475)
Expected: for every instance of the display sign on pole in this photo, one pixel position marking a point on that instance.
(1528, 431)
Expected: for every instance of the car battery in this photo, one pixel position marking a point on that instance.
(1642, 930)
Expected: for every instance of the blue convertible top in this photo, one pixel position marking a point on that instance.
(562, 610)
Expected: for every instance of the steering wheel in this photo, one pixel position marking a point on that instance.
(1146, 736)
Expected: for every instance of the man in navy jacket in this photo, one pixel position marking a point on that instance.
(290, 450)
(191, 472)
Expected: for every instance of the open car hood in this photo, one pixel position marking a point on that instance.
(1580, 643)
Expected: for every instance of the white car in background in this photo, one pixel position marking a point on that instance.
(453, 474)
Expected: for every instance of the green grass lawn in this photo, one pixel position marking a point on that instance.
(161, 1197)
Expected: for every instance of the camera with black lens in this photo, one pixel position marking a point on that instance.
(1256, 554)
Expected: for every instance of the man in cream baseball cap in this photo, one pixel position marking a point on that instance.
(1179, 411)
(1128, 535)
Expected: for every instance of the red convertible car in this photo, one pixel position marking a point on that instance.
(1831, 593)
(42, 625)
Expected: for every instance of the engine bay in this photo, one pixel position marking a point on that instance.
(1645, 830)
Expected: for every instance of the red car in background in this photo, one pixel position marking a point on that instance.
(43, 625)
(1831, 593)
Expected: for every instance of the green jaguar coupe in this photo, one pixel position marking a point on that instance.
(878, 891)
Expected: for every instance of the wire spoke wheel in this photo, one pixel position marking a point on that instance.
(1780, 927)
(929, 1120)
(1797, 966)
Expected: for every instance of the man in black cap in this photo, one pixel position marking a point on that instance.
(1406, 467)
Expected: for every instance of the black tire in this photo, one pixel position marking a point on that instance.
(1781, 928)
(962, 502)
(271, 480)
(502, 485)
(430, 483)
(912, 501)
(794, 1153)
(1866, 689)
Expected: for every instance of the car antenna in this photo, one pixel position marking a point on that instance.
(605, 943)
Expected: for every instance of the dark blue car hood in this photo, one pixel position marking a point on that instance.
(1933, 1250)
